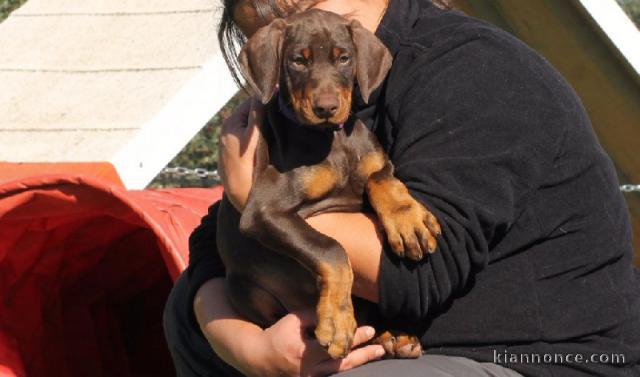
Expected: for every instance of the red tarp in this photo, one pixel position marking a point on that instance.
(85, 269)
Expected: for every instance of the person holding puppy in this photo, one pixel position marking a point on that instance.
(533, 272)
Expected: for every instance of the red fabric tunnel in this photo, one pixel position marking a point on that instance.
(85, 269)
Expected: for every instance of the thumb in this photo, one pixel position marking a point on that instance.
(255, 112)
(239, 117)
(251, 130)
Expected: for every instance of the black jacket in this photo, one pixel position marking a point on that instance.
(535, 257)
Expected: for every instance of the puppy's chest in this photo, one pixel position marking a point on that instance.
(337, 183)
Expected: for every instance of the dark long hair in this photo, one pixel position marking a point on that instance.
(231, 38)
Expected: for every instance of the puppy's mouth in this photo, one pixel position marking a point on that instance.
(303, 110)
(323, 123)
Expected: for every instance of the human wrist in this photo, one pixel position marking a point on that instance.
(248, 352)
(237, 185)
(237, 197)
(254, 356)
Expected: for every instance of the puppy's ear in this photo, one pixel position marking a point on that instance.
(373, 59)
(260, 59)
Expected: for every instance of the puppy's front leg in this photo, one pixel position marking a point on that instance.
(410, 228)
(271, 219)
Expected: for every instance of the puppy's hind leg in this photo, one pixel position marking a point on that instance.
(253, 302)
(398, 344)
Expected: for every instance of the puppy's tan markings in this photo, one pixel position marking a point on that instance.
(336, 322)
(306, 52)
(319, 181)
(336, 52)
(409, 227)
(345, 106)
(371, 163)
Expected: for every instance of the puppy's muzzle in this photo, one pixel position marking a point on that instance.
(326, 106)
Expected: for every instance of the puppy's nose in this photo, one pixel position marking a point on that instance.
(326, 106)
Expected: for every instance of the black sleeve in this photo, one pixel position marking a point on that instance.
(204, 260)
(471, 135)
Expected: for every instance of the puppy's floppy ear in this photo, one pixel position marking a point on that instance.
(373, 59)
(260, 59)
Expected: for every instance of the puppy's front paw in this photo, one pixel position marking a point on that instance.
(411, 229)
(335, 331)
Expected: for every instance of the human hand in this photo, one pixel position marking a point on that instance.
(238, 140)
(288, 348)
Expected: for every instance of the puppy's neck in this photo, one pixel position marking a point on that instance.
(291, 145)
(286, 110)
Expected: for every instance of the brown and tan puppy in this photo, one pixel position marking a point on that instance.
(313, 158)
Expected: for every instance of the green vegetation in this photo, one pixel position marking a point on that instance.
(632, 7)
(8, 6)
(202, 150)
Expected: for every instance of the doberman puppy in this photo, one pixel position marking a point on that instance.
(314, 157)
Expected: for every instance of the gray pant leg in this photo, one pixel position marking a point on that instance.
(431, 366)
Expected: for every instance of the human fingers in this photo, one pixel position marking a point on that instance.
(317, 355)
(251, 131)
(231, 136)
(240, 132)
(363, 334)
(237, 145)
(238, 118)
(355, 358)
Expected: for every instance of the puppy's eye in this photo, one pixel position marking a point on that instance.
(344, 59)
(299, 61)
